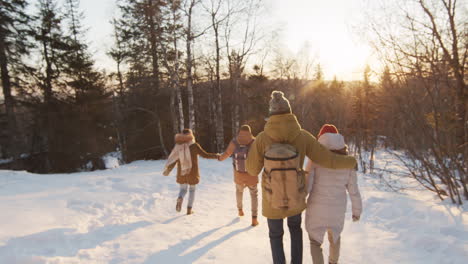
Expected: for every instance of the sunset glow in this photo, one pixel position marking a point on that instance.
(328, 28)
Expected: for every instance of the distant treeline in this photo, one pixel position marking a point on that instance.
(61, 114)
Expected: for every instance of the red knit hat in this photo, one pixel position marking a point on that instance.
(327, 128)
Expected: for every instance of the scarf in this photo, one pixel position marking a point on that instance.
(181, 153)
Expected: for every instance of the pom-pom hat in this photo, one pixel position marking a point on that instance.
(279, 104)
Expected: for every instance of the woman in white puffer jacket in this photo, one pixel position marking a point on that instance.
(326, 205)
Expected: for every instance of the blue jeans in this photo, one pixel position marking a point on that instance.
(183, 191)
(276, 231)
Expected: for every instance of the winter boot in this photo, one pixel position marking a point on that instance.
(178, 206)
(254, 221)
(189, 210)
(241, 212)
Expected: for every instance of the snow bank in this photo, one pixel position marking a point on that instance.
(4, 161)
(127, 215)
(112, 160)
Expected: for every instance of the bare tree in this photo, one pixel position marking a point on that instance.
(238, 53)
(427, 55)
(190, 36)
(217, 17)
(152, 17)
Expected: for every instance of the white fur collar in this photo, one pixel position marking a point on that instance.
(332, 141)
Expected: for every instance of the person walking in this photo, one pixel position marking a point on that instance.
(280, 151)
(326, 205)
(185, 156)
(238, 149)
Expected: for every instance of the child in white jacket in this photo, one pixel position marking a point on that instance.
(326, 204)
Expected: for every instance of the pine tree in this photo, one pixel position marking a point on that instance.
(88, 89)
(82, 78)
(52, 47)
(389, 113)
(318, 75)
(370, 117)
(140, 29)
(171, 59)
(14, 45)
(120, 55)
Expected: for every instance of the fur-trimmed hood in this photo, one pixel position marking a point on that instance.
(332, 141)
(184, 138)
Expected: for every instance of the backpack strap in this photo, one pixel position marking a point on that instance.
(234, 140)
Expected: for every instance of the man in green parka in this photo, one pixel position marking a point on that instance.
(282, 126)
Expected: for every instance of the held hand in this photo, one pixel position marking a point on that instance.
(356, 218)
(166, 173)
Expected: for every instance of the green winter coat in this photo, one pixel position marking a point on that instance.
(286, 128)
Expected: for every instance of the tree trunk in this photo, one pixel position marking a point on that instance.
(155, 68)
(119, 128)
(48, 108)
(462, 113)
(180, 105)
(154, 45)
(161, 136)
(212, 113)
(180, 109)
(12, 134)
(218, 97)
(235, 114)
(191, 106)
(174, 118)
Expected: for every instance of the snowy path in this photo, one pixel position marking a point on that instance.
(126, 215)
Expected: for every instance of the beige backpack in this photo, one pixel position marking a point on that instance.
(284, 181)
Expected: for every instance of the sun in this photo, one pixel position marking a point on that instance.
(327, 28)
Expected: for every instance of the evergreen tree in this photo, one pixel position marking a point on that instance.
(140, 30)
(14, 44)
(52, 46)
(88, 91)
(171, 57)
(318, 75)
(81, 76)
(370, 117)
(120, 55)
(387, 100)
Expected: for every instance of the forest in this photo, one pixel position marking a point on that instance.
(209, 65)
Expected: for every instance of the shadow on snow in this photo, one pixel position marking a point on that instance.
(174, 253)
(64, 242)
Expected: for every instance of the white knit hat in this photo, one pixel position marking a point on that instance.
(279, 104)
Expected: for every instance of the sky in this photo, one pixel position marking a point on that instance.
(98, 14)
(326, 26)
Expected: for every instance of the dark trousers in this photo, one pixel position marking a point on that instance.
(276, 231)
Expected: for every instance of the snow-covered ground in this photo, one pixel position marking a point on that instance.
(126, 215)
